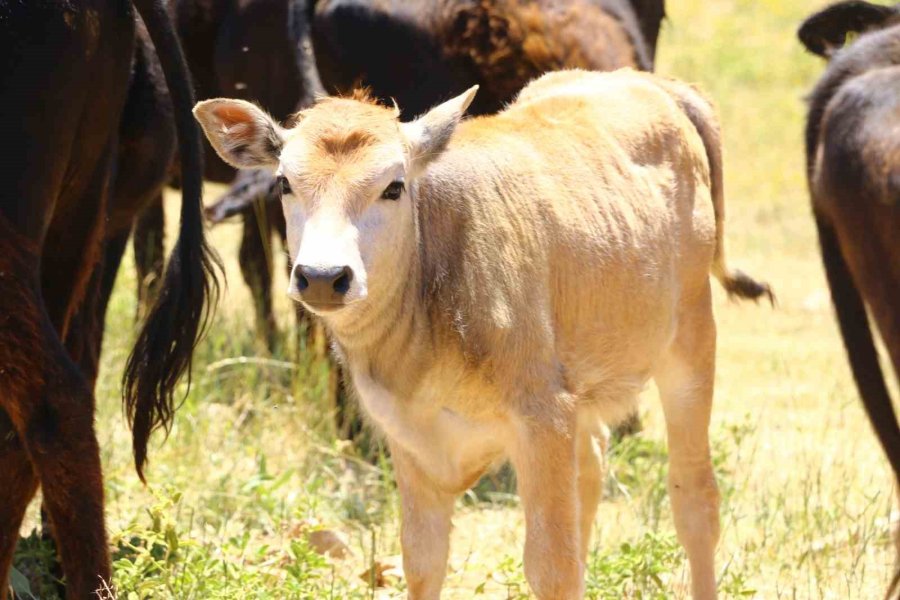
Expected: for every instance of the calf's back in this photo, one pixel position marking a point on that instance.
(566, 229)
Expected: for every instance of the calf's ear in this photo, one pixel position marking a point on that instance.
(243, 134)
(826, 31)
(429, 135)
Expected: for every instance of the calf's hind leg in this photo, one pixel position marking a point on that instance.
(592, 440)
(685, 380)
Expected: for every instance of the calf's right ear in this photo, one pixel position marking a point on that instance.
(243, 134)
(429, 135)
(826, 31)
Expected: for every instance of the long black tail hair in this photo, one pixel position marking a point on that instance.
(165, 345)
(861, 351)
(860, 345)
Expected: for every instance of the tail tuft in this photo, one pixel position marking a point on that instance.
(739, 284)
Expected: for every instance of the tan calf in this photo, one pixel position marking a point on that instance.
(502, 287)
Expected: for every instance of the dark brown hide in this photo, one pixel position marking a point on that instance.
(60, 135)
(64, 72)
(853, 162)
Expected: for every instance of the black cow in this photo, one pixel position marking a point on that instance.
(144, 154)
(249, 50)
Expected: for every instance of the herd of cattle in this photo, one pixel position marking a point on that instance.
(484, 302)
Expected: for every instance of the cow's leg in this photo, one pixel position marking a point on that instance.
(55, 567)
(113, 251)
(85, 339)
(18, 482)
(57, 429)
(685, 382)
(51, 410)
(86, 328)
(149, 255)
(592, 440)
(255, 258)
(545, 460)
(83, 343)
(426, 511)
(52, 414)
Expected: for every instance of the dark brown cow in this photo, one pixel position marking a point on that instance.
(247, 50)
(145, 150)
(422, 51)
(853, 161)
(64, 72)
(242, 49)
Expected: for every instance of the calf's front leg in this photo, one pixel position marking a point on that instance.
(545, 461)
(425, 514)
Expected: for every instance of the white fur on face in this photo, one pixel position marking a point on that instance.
(326, 238)
(361, 233)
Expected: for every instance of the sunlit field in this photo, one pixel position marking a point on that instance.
(252, 478)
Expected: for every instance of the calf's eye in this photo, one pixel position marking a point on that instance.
(283, 186)
(393, 191)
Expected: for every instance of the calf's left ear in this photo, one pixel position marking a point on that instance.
(429, 135)
(243, 134)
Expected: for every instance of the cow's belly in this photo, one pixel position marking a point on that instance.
(452, 448)
(611, 335)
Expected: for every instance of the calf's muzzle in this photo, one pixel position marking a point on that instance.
(320, 286)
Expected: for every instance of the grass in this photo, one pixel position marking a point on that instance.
(252, 466)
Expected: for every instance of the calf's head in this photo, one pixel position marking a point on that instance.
(347, 168)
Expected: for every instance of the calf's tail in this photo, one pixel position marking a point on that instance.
(702, 115)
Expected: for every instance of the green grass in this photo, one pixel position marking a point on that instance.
(252, 465)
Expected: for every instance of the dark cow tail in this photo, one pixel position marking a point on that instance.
(860, 346)
(176, 322)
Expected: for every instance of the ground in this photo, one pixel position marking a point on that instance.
(252, 466)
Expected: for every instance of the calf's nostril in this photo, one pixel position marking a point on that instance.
(341, 285)
(322, 285)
